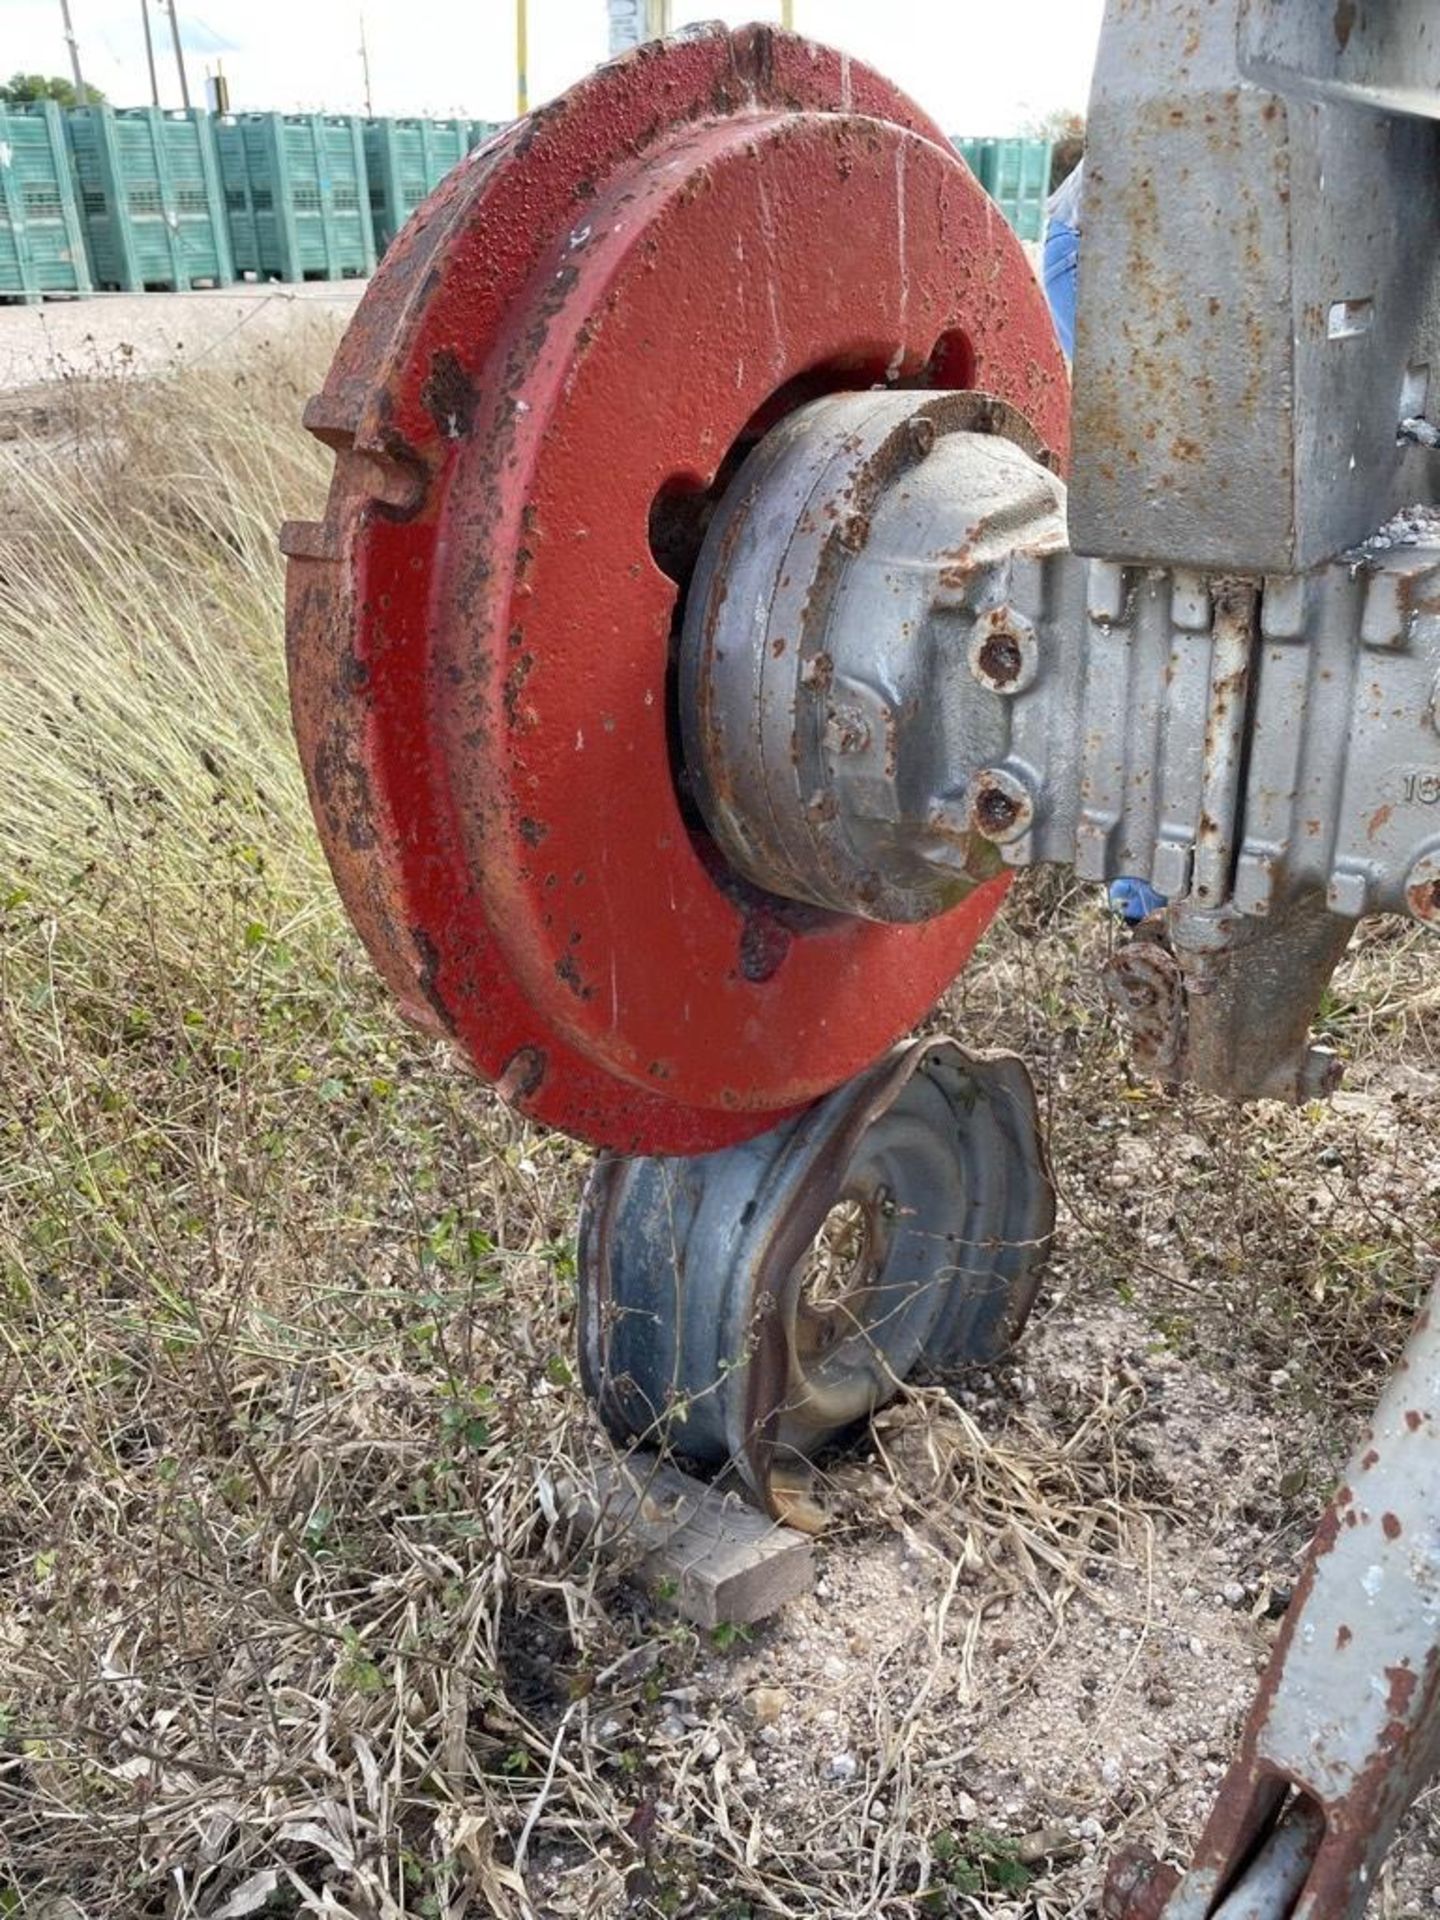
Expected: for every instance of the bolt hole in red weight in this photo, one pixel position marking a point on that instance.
(682, 507)
(564, 357)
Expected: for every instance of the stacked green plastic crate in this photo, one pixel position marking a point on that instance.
(1020, 184)
(42, 243)
(406, 160)
(150, 197)
(298, 195)
(1016, 175)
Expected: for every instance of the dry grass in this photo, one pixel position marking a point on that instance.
(286, 1623)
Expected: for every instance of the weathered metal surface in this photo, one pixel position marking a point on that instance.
(554, 362)
(1246, 756)
(1224, 1002)
(823, 718)
(1346, 1728)
(1380, 56)
(1232, 741)
(696, 1324)
(1251, 328)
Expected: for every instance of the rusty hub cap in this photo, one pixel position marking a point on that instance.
(557, 362)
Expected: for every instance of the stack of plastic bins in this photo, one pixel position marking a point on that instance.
(150, 197)
(972, 152)
(297, 193)
(1020, 183)
(406, 160)
(1016, 175)
(42, 243)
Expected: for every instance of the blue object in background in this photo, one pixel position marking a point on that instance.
(1134, 900)
(1062, 255)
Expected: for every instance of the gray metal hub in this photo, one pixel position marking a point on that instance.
(828, 718)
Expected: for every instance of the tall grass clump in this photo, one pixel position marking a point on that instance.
(142, 696)
(282, 1294)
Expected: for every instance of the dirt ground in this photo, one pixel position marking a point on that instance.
(1046, 1720)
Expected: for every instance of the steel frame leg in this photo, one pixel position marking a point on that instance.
(1345, 1730)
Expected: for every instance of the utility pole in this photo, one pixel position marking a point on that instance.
(787, 15)
(522, 58)
(365, 68)
(150, 53)
(179, 56)
(82, 92)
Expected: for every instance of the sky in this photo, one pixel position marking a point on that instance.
(978, 67)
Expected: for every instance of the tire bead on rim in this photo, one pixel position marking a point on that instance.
(589, 311)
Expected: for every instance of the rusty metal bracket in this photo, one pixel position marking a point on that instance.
(1249, 334)
(699, 1323)
(1346, 1728)
(1196, 987)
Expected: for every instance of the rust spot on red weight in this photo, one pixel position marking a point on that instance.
(1401, 1690)
(449, 395)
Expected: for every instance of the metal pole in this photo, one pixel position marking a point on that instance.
(179, 56)
(522, 52)
(82, 92)
(365, 68)
(787, 15)
(657, 19)
(150, 53)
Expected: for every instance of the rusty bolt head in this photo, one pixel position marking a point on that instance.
(1003, 655)
(920, 433)
(1000, 659)
(997, 812)
(1000, 806)
(846, 729)
(1422, 890)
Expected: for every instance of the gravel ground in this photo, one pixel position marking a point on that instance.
(145, 331)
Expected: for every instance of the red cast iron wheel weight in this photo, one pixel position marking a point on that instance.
(557, 359)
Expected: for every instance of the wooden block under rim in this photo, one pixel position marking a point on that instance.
(714, 1557)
